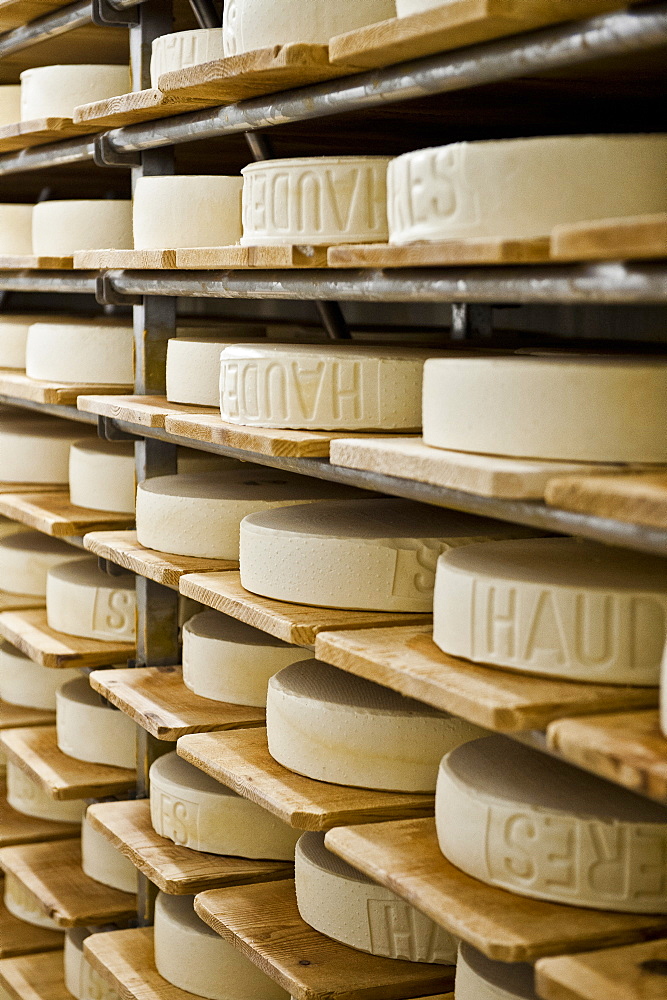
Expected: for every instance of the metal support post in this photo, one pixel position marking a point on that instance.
(471, 322)
(206, 13)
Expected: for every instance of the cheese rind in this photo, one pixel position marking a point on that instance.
(192, 957)
(193, 368)
(406, 7)
(23, 905)
(16, 229)
(13, 338)
(35, 449)
(26, 559)
(181, 49)
(10, 104)
(56, 91)
(103, 862)
(520, 820)
(480, 978)
(342, 903)
(522, 188)
(194, 810)
(333, 726)
(582, 408)
(28, 797)
(88, 729)
(89, 353)
(102, 476)
(82, 600)
(26, 683)
(316, 200)
(187, 211)
(60, 228)
(81, 979)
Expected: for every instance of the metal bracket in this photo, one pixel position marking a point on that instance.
(106, 294)
(471, 322)
(105, 14)
(105, 154)
(206, 13)
(108, 431)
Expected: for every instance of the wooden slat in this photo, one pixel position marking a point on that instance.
(12, 716)
(130, 109)
(126, 961)
(263, 922)
(18, 602)
(18, 385)
(269, 257)
(19, 938)
(635, 972)
(15, 828)
(62, 777)
(29, 262)
(405, 857)
(14, 13)
(32, 487)
(40, 131)
(445, 253)
(34, 977)
(54, 514)
(144, 411)
(635, 499)
(176, 870)
(241, 760)
(634, 238)
(154, 260)
(122, 548)
(158, 701)
(407, 660)
(28, 631)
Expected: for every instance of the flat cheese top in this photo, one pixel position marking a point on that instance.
(312, 849)
(312, 163)
(174, 769)
(86, 573)
(256, 483)
(325, 352)
(30, 542)
(80, 691)
(115, 449)
(215, 625)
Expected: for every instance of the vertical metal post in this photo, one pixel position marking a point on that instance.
(471, 322)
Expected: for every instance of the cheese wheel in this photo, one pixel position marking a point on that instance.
(663, 693)
(378, 556)
(406, 7)
(81, 979)
(24, 906)
(256, 24)
(101, 476)
(339, 901)
(26, 683)
(10, 104)
(582, 408)
(316, 200)
(194, 810)
(518, 819)
(189, 462)
(187, 211)
(480, 978)
(13, 338)
(35, 449)
(55, 91)
(181, 49)
(193, 368)
(89, 729)
(522, 188)
(16, 229)
(104, 863)
(82, 600)
(92, 353)
(60, 228)
(199, 515)
(192, 957)
(227, 660)
(561, 607)
(27, 796)
(333, 726)
(26, 558)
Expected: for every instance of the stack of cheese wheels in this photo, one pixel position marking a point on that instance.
(82, 600)
(332, 726)
(26, 796)
(480, 978)
(181, 49)
(14, 337)
(200, 515)
(26, 683)
(342, 903)
(24, 906)
(95, 352)
(26, 557)
(192, 957)
(518, 819)
(378, 556)
(193, 365)
(194, 810)
(56, 91)
(16, 229)
(81, 979)
(254, 24)
(35, 449)
(227, 660)
(102, 862)
(89, 729)
(316, 200)
(10, 104)
(560, 607)
(61, 228)
(523, 188)
(187, 211)
(318, 388)
(626, 424)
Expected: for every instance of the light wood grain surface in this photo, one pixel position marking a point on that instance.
(17, 384)
(19, 938)
(126, 961)
(445, 253)
(29, 631)
(54, 514)
(16, 828)
(639, 498)
(14, 13)
(144, 411)
(636, 237)
(18, 602)
(122, 548)
(635, 972)
(30, 262)
(34, 977)
(40, 131)
(100, 260)
(12, 716)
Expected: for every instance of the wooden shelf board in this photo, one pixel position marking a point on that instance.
(407, 660)
(19, 938)
(32, 487)
(294, 623)
(633, 972)
(174, 869)
(52, 874)
(13, 716)
(445, 253)
(241, 760)
(99, 260)
(405, 857)
(28, 262)
(15, 828)
(122, 548)
(18, 385)
(14, 13)
(34, 977)
(640, 498)
(29, 631)
(203, 258)
(144, 411)
(54, 514)
(62, 777)
(132, 109)
(40, 131)
(158, 701)
(634, 238)
(19, 602)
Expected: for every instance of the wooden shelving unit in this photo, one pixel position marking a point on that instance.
(34, 977)
(635, 972)
(12, 716)
(126, 961)
(19, 938)
(29, 631)
(122, 548)
(55, 515)
(16, 828)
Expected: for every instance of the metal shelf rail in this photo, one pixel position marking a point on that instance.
(77, 15)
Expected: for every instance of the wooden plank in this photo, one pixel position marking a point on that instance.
(14, 13)
(444, 253)
(98, 260)
(407, 660)
(145, 411)
(241, 760)
(233, 257)
(263, 923)
(12, 716)
(52, 874)
(634, 972)
(17, 384)
(122, 548)
(54, 514)
(633, 238)
(453, 25)
(176, 870)
(18, 602)
(29, 262)
(405, 857)
(131, 109)
(294, 623)
(34, 977)
(28, 631)
(634, 499)
(19, 938)
(15, 828)
(32, 487)
(62, 777)
(40, 131)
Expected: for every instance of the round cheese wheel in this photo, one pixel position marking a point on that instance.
(193, 368)
(333, 726)
(518, 819)
(91, 730)
(315, 200)
(102, 476)
(256, 24)
(82, 600)
(480, 978)
(194, 810)
(24, 906)
(92, 353)
(181, 49)
(199, 515)
(81, 979)
(625, 424)
(26, 683)
(60, 228)
(187, 211)
(561, 607)
(35, 449)
(227, 660)
(374, 556)
(342, 903)
(192, 957)
(26, 558)
(27, 796)
(406, 7)
(103, 862)
(16, 229)
(522, 188)
(13, 338)
(56, 91)
(10, 104)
